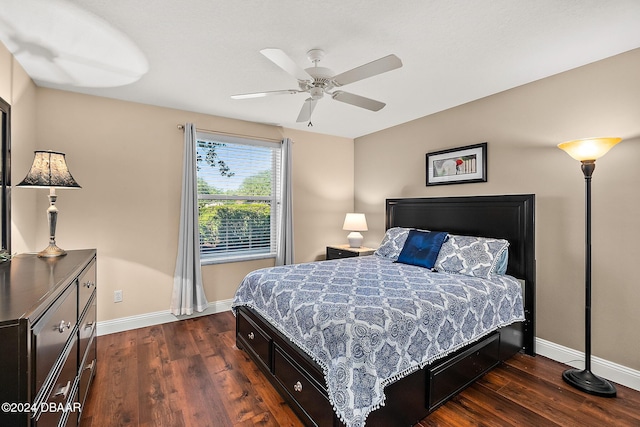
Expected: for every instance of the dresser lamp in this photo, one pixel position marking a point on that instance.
(587, 151)
(355, 222)
(49, 170)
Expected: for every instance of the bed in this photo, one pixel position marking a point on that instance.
(333, 375)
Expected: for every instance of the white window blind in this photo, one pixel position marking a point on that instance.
(238, 197)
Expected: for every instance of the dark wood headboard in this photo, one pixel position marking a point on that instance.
(510, 217)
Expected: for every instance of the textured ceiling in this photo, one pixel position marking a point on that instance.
(194, 54)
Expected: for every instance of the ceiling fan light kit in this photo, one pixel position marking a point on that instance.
(318, 81)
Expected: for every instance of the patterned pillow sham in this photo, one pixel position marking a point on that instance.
(392, 243)
(471, 256)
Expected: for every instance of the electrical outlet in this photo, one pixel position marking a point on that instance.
(117, 296)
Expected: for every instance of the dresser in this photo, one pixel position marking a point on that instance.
(48, 338)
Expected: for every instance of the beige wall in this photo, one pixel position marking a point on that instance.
(522, 127)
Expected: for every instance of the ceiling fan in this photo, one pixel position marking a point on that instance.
(318, 81)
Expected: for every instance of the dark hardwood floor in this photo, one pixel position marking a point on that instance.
(189, 373)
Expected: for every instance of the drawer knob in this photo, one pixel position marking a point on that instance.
(297, 387)
(63, 391)
(62, 326)
(89, 284)
(90, 366)
(251, 335)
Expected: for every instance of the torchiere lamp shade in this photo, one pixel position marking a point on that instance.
(49, 169)
(588, 148)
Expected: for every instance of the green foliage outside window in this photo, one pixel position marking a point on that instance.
(234, 225)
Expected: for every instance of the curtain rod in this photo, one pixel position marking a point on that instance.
(181, 127)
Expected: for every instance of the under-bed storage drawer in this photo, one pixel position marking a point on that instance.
(448, 378)
(253, 338)
(309, 396)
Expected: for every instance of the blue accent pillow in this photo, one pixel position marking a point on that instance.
(421, 248)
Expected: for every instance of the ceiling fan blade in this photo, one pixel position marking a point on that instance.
(379, 66)
(283, 61)
(307, 110)
(269, 93)
(357, 100)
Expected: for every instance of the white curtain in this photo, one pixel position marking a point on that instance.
(188, 292)
(284, 244)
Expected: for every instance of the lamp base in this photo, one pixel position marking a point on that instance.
(51, 251)
(355, 239)
(589, 383)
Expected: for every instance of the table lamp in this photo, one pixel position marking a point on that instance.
(49, 170)
(355, 222)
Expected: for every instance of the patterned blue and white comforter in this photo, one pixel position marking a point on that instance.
(368, 321)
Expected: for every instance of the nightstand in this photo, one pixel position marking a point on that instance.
(344, 251)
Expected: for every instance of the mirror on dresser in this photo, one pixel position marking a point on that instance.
(5, 176)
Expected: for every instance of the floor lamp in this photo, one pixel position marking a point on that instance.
(587, 151)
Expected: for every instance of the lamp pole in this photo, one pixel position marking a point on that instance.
(587, 151)
(587, 166)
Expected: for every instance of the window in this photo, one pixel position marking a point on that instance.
(238, 197)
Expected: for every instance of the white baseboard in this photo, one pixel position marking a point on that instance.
(609, 370)
(612, 371)
(157, 318)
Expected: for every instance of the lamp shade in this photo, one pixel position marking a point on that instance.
(49, 169)
(588, 148)
(355, 222)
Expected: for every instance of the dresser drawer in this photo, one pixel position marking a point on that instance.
(52, 332)
(448, 378)
(254, 338)
(87, 328)
(87, 372)
(306, 394)
(62, 394)
(86, 286)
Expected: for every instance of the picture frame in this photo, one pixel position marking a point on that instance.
(460, 165)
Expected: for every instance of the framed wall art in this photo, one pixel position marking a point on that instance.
(459, 165)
